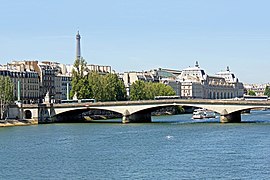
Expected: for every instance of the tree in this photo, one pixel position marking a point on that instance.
(121, 93)
(140, 90)
(95, 82)
(85, 91)
(6, 94)
(114, 88)
(78, 75)
(94, 85)
(109, 85)
(106, 87)
(137, 91)
(163, 90)
(251, 93)
(267, 91)
(149, 90)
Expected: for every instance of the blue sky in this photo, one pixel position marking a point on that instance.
(142, 34)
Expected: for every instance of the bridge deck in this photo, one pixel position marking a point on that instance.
(163, 101)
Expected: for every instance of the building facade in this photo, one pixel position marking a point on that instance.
(259, 89)
(99, 69)
(168, 77)
(65, 86)
(26, 83)
(38, 79)
(160, 75)
(195, 83)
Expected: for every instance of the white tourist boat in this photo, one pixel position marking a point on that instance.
(202, 114)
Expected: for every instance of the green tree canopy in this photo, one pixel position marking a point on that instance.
(140, 90)
(95, 81)
(78, 78)
(267, 91)
(6, 94)
(106, 87)
(251, 93)
(137, 91)
(114, 89)
(94, 85)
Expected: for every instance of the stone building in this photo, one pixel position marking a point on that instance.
(99, 68)
(65, 86)
(26, 82)
(166, 76)
(46, 75)
(232, 81)
(259, 89)
(50, 77)
(195, 83)
(132, 76)
(47, 79)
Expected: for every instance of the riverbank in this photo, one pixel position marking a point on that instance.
(14, 122)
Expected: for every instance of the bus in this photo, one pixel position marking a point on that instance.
(78, 101)
(87, 100)
(69, 101)
(255, 98)
(166, 97)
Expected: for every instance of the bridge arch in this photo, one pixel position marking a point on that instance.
(84, 114)
(27, 114)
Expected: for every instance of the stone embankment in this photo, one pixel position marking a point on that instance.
(14, 122)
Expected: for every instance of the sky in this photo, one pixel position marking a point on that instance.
(140, 35)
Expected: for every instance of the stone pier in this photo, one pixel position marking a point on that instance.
(234, 117)
(142, 117)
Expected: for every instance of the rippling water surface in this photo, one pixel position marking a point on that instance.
(173, 147)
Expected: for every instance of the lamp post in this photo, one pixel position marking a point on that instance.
(67, 91)
(20, 104)
(19, 91)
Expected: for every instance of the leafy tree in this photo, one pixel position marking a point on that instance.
(78, 73)
(251, 93)
(106, 87)
(121, 93)
(114, 89)
(95, 81)
(85, 91)
(140, 90)
(163, 90)
(267, 91)
(6, 94)
(109, 83)
(149, 90)
(93, 85)
(137, 91)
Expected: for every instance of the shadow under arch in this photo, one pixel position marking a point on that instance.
(28, 114)
(85, 115)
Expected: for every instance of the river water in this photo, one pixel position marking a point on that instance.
(172, 147)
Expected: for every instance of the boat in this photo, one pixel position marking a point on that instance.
(197, 114)
(203, 114)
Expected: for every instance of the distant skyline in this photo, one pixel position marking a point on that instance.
(142, 35)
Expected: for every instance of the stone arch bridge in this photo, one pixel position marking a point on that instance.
(140, 111)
